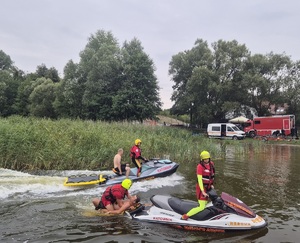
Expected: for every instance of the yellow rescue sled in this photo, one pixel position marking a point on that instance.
(84, 180)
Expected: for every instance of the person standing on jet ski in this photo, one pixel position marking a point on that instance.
(205, 177)
(113, 197)
(136, 156)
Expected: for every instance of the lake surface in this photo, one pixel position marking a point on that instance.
(38, 208)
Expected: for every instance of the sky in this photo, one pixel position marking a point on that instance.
(52, 32)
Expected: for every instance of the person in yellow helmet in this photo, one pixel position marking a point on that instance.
(113, 197)
(126, 205)
(205, 178)
(136, 156)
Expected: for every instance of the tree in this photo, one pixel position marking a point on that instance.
(43, 72)
(10, 78)
(42, 97)
(291, 91)
(5, 62)
(208, 81)
(25, 100)
(137, 98)
(229, 61)
(70, 90)
(5, 89)
(24, 91)
(181, 68)
(100, 66)
(265, 76)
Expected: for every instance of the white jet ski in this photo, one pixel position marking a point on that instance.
(225, 213)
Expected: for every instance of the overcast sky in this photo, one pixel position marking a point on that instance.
(52, 32)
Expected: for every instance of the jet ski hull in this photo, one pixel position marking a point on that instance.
(150, 170)
(212, 218)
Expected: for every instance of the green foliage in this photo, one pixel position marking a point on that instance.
(138, 97)
(291, 92)
(207, 79)
(31, 143)
(113, 83)
(266, 78)
(210, 83)
(43, 72)
(109, 83)
(5, 61)
(8, 93)
(100, 65)
(70, 90)
(167, 113)
(41, 99)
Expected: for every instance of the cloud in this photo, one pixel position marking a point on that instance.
(53, 32)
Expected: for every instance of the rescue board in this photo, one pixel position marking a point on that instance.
(84, 180)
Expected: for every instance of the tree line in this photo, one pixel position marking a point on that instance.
(213, 81)
(110, 83)
(118, 83)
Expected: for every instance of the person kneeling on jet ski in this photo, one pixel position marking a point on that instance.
(113, 197)
(205, 176)
(136, 156)
(120, 168)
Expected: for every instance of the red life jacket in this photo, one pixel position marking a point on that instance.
(208, 174)
(135, 152)
(115, 192)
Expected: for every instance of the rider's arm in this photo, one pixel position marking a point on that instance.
(142, 158)
(120, 202)
(128, 195)
(125, 206)
(200, 182)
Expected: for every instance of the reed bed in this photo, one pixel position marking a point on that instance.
(44, 144)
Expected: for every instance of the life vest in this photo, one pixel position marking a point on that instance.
(208, 175)
(111, 192)
(135, 152)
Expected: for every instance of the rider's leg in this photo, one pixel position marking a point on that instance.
(193, 211)
(139, 167)
(127, 170)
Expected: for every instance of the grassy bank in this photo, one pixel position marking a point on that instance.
(31, 143)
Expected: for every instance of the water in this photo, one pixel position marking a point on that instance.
(38, 208)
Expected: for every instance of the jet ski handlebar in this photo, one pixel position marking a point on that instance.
(217, 201)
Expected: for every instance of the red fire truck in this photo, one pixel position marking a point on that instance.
(270, 125)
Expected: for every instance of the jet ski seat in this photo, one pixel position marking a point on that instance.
(181, 207)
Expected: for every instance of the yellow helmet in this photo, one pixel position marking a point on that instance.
(126, 184)
(137, 141)
(204, 155)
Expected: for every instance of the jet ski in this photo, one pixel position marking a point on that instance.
(153, 168)
(223, 213)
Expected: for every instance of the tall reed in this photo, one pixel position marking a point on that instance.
(32, 143)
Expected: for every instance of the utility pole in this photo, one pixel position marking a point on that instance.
(191, 114)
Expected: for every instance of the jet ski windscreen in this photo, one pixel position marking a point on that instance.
(240, 207)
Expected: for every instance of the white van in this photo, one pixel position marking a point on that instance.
(224, 130)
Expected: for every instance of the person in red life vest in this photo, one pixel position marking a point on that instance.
(113, 197)
(205, 177)
(128, 204)
(136, 156)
